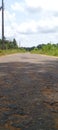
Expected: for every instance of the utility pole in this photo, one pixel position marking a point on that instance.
(2, 24)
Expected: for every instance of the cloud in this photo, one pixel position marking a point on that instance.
(37, 27)
(34, 10)
(9, 16)
(46, 5)
(18, 7)
(24, 7)
(41, 8)
(55, 13)
(28, 18)
(47, 30)
(9, 21)
(31, 27)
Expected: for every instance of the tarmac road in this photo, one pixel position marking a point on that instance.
(28, 92)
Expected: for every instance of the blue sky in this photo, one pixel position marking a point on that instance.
(31, 22)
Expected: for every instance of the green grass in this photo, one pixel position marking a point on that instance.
(11, 51)
(50, 53)
(47, 50)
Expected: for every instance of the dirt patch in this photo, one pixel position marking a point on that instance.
(51, 102)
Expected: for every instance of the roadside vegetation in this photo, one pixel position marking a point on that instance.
(47, 49)
(11, 47)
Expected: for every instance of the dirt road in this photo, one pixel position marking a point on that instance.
(28, 92)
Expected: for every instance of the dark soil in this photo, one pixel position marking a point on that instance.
(29, 93)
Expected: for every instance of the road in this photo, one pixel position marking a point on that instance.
(28, 92)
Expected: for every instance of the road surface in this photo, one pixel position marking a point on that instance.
(28, 92)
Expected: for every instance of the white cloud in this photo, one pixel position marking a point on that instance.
(48, 22)
(33, 3)
(39, 26)
(32, 26)
(18, 6)
(9, 17)
(45, 4)
(41, 19)
(28, 26)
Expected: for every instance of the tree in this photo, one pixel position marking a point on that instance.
(15, 43)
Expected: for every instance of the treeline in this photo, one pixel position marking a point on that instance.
(49, 49)
(12, 46)
(8, 44)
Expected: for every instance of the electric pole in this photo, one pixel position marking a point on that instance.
(2, 24)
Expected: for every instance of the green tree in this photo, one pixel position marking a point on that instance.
(15, 43)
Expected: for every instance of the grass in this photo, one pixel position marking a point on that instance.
(11, 51)
(50, 52)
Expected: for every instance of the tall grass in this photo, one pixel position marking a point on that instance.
(12, 51)
(49, 49)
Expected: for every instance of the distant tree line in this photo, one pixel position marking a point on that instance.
(49, 48)
(9, 44)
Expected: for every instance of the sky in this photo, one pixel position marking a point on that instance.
(31, 22)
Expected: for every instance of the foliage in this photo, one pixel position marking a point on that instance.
(48, 49)
(12, 51)
(9, 44)
(12, 47)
